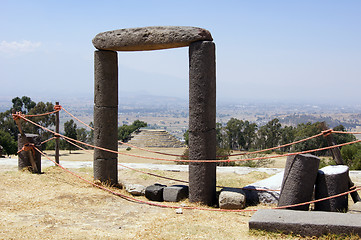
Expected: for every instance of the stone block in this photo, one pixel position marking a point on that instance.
(155, 192)
(232, 198)
(254, 197)
(355, 208)
(298, 180)
(135, 189)
(175, 193)
(332, 180)
(150, 38)
(306, 223)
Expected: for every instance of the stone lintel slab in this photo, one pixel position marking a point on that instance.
(306, 223)
(150, 38)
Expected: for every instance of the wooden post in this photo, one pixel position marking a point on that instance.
(56, 136)
(26, 142)
(336, 154)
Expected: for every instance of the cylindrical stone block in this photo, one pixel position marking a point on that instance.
(106, 115)
(105, 131)
(299, 180)
(23, 156)
(202, 121)
(105, 78)
(104, 170)
(332, 180)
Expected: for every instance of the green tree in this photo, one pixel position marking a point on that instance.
(269, 135)
(125, 131)
(351, 154)
(287, 136)
(70, 131)
(305, 130)
(8, 143)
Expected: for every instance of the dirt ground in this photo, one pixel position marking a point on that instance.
(57, 205)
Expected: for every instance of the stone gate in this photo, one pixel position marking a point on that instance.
(202, 99)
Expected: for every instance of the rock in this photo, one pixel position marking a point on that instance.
(135, 189)
(299, 180)
(232, 198)
(175, 193)
(355, 208)
(150, 38)
(254, 197)
(179, 211)
(155, 192)
(332, 180)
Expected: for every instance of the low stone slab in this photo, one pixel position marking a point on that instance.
(155, 192)
(306, 223)
(254, 197)
(150, 38)
(175, 193)
(232, 198)
(135, 189)
(355, 208)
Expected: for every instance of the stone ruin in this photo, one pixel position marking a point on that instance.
(202, 99)
(155, 138)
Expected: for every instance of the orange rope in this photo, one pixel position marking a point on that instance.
(77, 119)
(170, 206)
(197, 161)
(325, 133)
(47, 140)
(168, 178)
(42, 114)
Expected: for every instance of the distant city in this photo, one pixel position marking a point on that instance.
(171, 113)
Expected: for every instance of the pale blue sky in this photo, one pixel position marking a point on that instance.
(307, 51)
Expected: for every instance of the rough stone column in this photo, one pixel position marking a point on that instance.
(24, 158)
(202, 121)
(332, 180)
(106, 115)
(298, 180)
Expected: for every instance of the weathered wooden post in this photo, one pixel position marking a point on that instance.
(57, 145)
(28, 157)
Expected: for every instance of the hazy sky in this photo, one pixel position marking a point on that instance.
(307, 51)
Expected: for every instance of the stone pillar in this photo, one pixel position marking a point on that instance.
(202, 121)
(332, 180)
(106, 115)
(298, 180)
(24, 158)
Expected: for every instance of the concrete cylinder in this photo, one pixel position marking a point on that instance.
(202, 121)
(106, 115)
(332, 180)
(23, 156)
(299, 180)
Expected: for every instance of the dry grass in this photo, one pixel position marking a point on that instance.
(57, 205)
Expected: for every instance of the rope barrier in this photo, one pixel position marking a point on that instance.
(172, 179)
(77, 119)
(47, 140)
(185, 207)
(195, 161)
